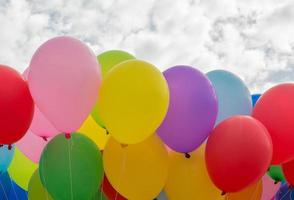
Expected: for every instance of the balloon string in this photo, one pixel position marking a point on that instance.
(291, 194)
(14, 190)
(122, 170)
(285, 194)
(70, 170)
(44, 177)
(3, 190)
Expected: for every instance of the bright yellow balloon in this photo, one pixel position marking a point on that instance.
(133, 101)
(253, 192)
(188, 178)
(137, 171)
(21, 169)
(91, 129)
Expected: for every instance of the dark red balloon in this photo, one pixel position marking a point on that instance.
(16, 106)
(109, 191)
(238, 153)
(288, 170)
(275, 109)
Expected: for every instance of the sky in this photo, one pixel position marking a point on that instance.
(251, 38)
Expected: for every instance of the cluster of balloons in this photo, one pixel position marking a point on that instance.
(80, 127)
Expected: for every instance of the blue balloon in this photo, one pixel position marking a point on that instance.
(5, 185)
(6, 156)
(17, 193)
(285, 193)
(255, 97)
(233, 95)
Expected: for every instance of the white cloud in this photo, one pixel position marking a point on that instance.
(253, 39)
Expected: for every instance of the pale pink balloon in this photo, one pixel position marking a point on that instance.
(64, 80)
(32, 146)
(269, 189)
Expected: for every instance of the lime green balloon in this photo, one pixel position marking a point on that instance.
(107, 61)
(21, 169)
(99, 196)
(276, 173)
(71, 169)
(36, 189)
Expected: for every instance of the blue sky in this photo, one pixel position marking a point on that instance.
(254, 39)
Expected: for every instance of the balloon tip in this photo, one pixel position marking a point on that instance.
(1, 145)
(9, 147)
(124, 145)
(45, 138)
(223, 193)
(187, 155)
(67, 135)
(276, 182)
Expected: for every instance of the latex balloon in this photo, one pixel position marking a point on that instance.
(64, 80)
(99, 196)
(36, 190)
(21, 169)
(94, 132)
(288, 170)
(276, 172)
(71, 168)
(275, 109)
(192, 99)
(285, 193)
(32, 146)
(6, 156)
(269, 188)
(188, 178)
(107, 61)
(252, 192)
(233, 96)
(5, 185)
(238, 153)
(133, 101)
(17, 193)
(109, 191)
(16, 105)
(137, 171)
(255, 98)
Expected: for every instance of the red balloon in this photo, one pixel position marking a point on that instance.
(109, 191)
(238, 153)
(275, 109)
(16, 106)
(288, 170)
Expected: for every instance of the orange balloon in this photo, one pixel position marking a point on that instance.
(253, 192)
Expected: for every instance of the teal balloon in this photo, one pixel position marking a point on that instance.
(71, 169)
(233, 95)
(6, 156)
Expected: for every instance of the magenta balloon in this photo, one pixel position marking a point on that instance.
(269, 188)
(192, 110)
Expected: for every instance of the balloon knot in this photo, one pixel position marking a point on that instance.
(1, 145)
(223, 193)
(107, 133)
(276, 182)
(187, 155)
(123, 145)
(67, 135)
(45, 138)
(9, 147)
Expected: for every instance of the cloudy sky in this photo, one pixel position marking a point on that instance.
(252, 38)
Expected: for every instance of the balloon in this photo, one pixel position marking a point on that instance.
(252, 192)
(162, 196)
(285, 193)
(16, 105)
(94, 132)
(99, 196)
(36, 189)
(6, 156)
(109, 191)
(275, 171)
(188, 178)
(133, 101)
(137, 171)
(31, 146)
(275, 109)
(17, 193)
(233, 96)
(238, 153)
(107, 61)
(288, 170)
(5, 185)
(21, 169)
(255, 97)
(269, 188)
(192, 110)
(64, 80)
(71, 168)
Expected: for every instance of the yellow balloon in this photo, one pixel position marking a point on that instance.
(253, 192)
(137, 171)
(188, 178)
(91, 129)
(21, 169)
(133, 101)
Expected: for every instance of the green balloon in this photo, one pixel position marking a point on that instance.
(107, 61)
(276, 173)
(99, 196)
(36, 190)
(71, 169)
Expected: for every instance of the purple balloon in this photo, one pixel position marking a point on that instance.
(192, 109)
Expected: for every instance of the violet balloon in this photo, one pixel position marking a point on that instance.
(192, 110)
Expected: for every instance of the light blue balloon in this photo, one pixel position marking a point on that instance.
(6, 156)
(233, 95)
(162, 196)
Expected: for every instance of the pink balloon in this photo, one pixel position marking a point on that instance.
(64, 80)
(32, 146)
(269, 189)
